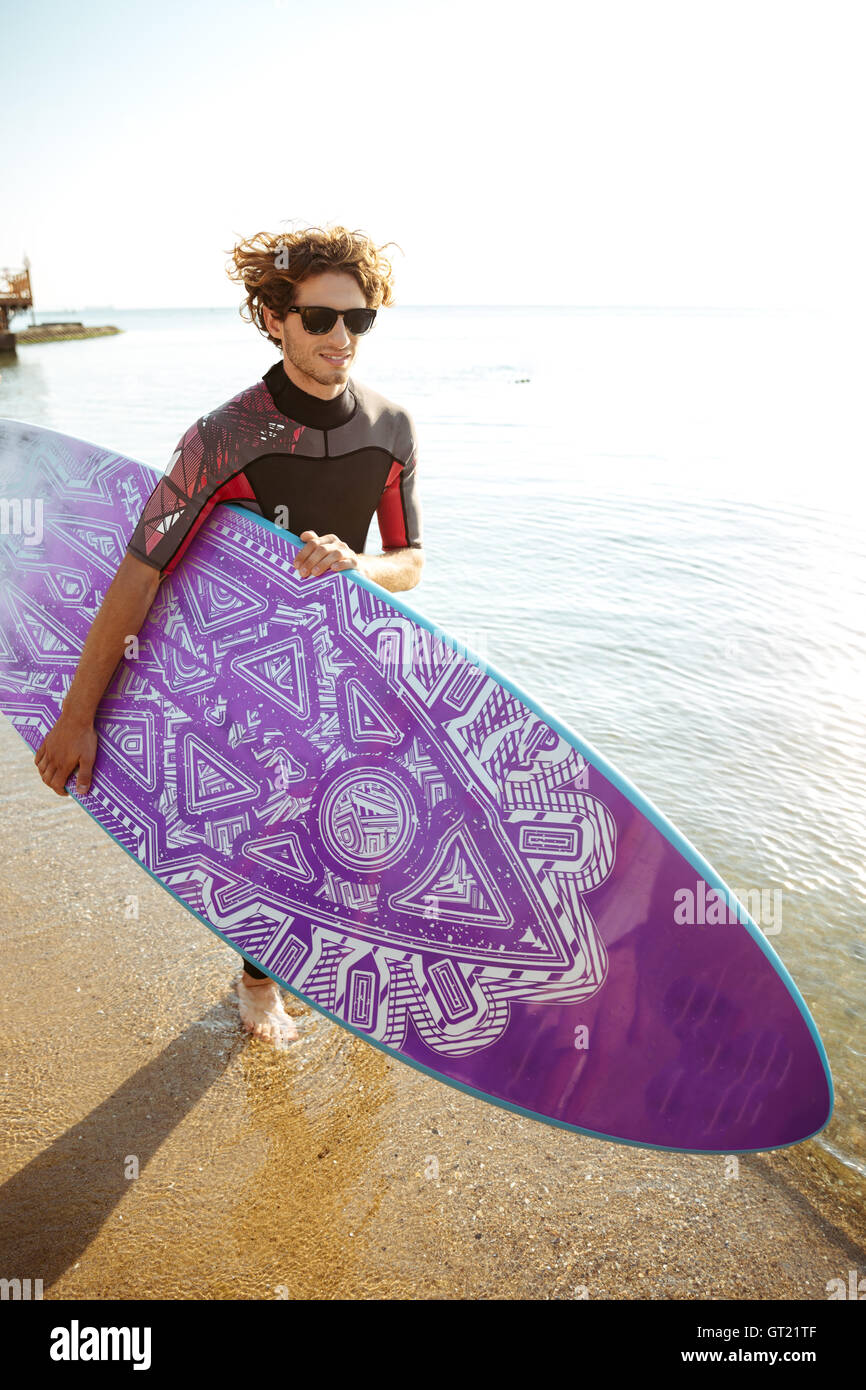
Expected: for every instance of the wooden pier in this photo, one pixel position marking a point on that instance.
(16, 296)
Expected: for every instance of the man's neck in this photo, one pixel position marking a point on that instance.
(305, 408)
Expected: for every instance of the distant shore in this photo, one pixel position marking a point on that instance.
(61, 332)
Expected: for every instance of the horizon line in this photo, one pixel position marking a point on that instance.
(490, 304)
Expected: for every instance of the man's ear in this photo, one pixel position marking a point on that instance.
(273, 322)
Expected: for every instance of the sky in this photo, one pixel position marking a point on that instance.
(622, 152)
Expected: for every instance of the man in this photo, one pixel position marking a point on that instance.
(311, 450)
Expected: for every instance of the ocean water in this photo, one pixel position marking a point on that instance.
(651, 520)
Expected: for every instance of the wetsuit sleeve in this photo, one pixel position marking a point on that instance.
(399, 509)
(183, 497)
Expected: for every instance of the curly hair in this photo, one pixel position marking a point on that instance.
(270, 266)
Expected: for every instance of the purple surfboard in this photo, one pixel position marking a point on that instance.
(395, 832)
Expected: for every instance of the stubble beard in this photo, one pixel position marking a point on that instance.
(313, 366)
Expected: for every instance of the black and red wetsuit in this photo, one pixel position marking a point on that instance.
(306, 463)
(329, 464)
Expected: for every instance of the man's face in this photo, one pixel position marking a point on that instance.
(321, 362)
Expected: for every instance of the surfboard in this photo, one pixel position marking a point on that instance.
(395, 832)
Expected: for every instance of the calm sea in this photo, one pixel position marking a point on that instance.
(651, 519)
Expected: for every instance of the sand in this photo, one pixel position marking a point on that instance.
(150, 1150)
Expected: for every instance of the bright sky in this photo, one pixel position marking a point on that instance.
(688, 152)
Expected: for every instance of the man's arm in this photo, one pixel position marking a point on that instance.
(71, 742)
(395, 570)
(170, 518)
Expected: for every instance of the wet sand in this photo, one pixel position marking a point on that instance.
(327, 1170)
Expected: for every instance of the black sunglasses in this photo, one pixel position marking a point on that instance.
(318, 319)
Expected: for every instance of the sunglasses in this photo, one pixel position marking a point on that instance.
(318, 319)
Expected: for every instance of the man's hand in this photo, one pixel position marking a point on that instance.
(394, 570)
(323, 553)
(70, 744)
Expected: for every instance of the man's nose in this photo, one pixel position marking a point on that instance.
(339, 337)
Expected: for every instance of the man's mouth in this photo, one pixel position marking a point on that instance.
(336, 358)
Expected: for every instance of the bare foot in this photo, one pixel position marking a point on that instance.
(262, 1012)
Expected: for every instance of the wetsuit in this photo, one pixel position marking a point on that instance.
(305, 463)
